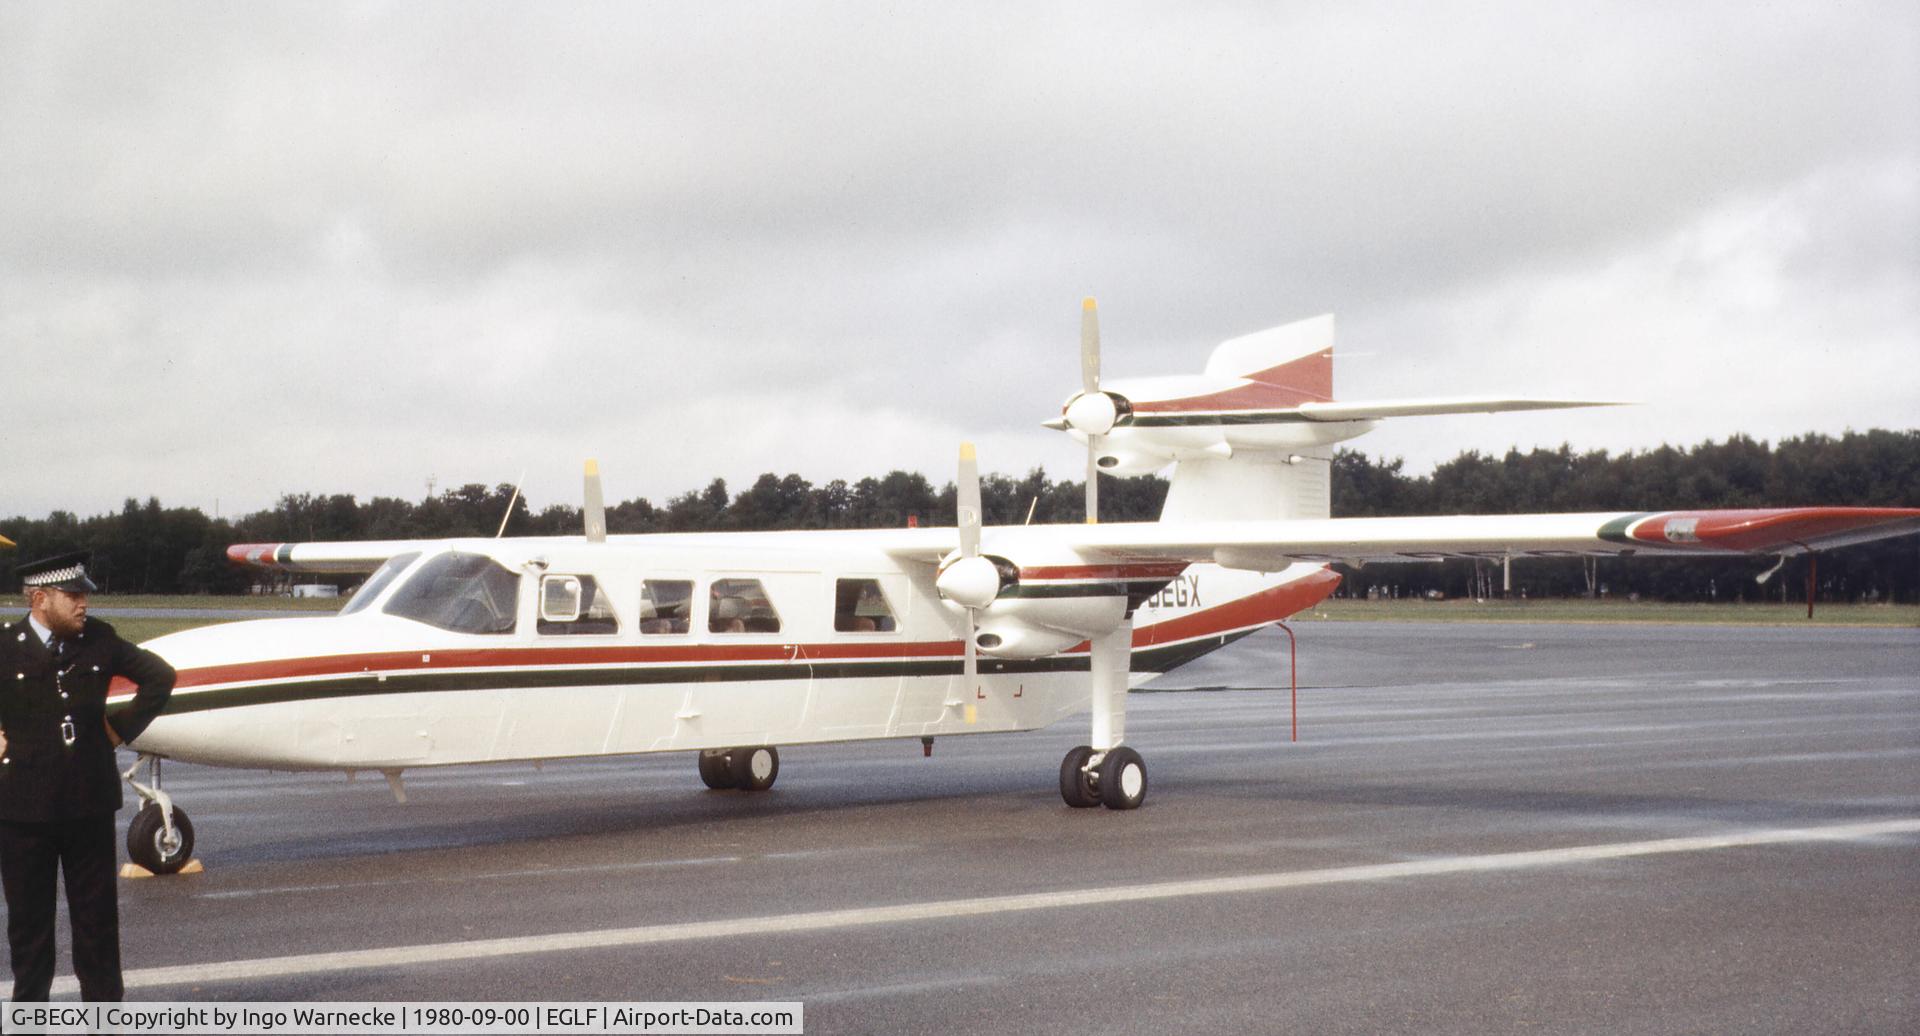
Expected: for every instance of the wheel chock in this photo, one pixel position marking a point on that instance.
(134, 870)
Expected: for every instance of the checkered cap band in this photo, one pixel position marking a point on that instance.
(58, 575)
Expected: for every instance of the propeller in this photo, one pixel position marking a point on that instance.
(595, 511)
(972, 581)
(1093, 412)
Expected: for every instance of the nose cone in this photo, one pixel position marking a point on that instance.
(252, 641)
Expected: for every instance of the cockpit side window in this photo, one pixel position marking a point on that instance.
(860, 607)
(464, 593)
(576, 604)
(379, 581)
(740, 606)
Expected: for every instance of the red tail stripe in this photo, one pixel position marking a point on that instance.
(1308, 379)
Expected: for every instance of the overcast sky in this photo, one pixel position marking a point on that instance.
(249, 249)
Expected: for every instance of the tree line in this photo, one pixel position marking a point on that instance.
(148, 548)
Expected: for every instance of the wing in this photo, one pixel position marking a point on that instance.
(1269, 546)
(342, 558)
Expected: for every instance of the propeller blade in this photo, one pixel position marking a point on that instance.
(971, 667)
(1089, 347)
(1090, 384)
(968, 496)
(1093, 480)
(595, 511)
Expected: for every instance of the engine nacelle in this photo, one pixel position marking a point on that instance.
(1037, 627)
(1011, 638)
(1047, 600)
(1126, 460)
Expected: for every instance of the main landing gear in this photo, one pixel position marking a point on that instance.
(742, 769)
(1107, 773)
(1116, 779)
(160, 837)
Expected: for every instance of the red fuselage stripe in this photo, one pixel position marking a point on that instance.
(1269, 605)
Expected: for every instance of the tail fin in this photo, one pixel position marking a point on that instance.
(1296, 358)
(1253, 436)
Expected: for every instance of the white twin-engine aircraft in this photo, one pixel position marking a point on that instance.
(729, 644)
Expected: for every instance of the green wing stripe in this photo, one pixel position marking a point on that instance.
(1615, 531)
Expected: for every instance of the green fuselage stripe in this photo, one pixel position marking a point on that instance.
(1152, 660)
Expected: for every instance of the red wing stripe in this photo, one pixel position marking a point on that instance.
(1759, 530)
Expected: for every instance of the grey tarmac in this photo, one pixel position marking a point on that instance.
(1484, 828)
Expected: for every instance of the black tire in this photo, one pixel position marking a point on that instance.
(1123, 779)
(1076, 785)
(754, 769)
(716, 770)
(147, 840)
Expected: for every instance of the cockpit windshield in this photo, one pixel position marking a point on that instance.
(381, 579)
(464, 593)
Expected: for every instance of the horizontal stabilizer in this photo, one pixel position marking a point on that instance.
(1271, 545)
(1380, 408)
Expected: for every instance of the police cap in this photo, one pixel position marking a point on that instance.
(66, 572)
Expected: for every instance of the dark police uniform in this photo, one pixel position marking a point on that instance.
(59, 789)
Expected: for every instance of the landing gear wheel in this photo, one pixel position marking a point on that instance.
(1076, 785)
(754, 769)
(1123, 779)
(716, 771)
(148, 844)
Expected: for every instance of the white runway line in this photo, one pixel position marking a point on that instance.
(565, 942)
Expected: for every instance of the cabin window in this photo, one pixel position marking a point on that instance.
(860, 607)
(381, 579)
(666, 605)
(740, 606)
(575, 604)
(464, 593)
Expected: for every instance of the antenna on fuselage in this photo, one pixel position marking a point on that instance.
(510, 502)
(595, 511)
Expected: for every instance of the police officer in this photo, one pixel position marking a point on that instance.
(59, 787)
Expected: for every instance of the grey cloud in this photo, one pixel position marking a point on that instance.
(404, 216)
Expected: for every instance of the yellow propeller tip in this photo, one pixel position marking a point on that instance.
(593, 467)
(4, 542)
(1088, 304)
(966, 451)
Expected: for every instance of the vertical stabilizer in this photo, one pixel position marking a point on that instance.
(1253, 486)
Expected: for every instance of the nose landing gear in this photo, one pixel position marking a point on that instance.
(160, 837)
